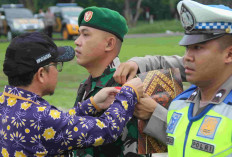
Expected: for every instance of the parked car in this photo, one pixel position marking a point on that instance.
(66, 15)
(17, 20)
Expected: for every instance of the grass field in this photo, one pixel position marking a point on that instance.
(156, 27)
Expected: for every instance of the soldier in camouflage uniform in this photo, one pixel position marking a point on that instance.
(101, 35)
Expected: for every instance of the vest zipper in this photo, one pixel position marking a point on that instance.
(193, 119)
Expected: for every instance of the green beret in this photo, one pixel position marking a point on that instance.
(104, 19)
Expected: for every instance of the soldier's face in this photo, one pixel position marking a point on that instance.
(204, 63)
(90, 46)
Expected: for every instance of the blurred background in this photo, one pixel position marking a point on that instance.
(133, 10)
(141, 15)
(154, 29)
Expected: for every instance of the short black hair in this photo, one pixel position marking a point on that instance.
(21, 80)
(24, 79)
(225, 41)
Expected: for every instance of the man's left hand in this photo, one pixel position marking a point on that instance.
(105, 97)
(145, 108)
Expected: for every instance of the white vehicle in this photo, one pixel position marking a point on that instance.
(17, 20)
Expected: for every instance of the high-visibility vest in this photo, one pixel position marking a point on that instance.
(207, 134)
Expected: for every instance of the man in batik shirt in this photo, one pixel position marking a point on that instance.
(30, 126)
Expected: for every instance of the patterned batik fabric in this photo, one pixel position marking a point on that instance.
(30, 126)
(127, 143)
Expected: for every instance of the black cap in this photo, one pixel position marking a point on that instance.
(30, 51)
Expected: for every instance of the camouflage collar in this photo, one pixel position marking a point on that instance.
(100, 81)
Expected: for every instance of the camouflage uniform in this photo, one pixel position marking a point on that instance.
(126, 145)
(112, 22)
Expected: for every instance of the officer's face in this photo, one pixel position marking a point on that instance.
(90, 46)
(204, 63)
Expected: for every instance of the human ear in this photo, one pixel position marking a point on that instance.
(111, 41)
(40, 75)
(228, 57)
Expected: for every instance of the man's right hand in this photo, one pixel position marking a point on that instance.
(125, 72)
(137, 84)
(105, 97)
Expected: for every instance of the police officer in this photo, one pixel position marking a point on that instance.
(30, 126)
(200, 116)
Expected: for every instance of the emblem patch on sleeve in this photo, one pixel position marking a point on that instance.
(173, 122)
(209, 127)
(202, 146)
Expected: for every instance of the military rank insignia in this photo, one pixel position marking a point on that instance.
(220, 94)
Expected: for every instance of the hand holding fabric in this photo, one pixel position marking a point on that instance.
(145, 108)
(125, 72)
(137, 85)
(105, 97)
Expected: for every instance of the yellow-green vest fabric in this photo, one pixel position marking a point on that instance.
(207, 134)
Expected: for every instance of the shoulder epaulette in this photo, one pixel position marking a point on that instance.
(186, 94)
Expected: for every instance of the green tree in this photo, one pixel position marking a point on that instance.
(132, 11)
(160, 9)
(28, 4)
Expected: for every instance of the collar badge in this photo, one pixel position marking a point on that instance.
(219, 95)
